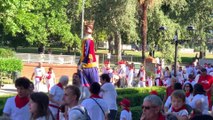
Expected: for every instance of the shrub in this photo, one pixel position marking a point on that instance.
(10, 65)
(6, 53)
(136, 96)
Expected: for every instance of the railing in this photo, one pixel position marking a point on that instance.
(48, 58)
(69, 59)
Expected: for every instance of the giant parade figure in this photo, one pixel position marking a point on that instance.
(87, 65)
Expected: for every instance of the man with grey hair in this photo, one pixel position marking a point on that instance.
(56, 96)
(151, 107)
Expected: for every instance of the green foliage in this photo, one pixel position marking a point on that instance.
(10, 65)
(6, 53)
(3, 99)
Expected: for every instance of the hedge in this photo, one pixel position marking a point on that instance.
(6, 53)
(10, 64)
(136, 96)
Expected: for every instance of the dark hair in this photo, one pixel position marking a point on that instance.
(167, 68)
(42, 101)
(22, 82)
(177, 86)
(105, 77)
(95, 88)
(191, 76)
(190, 86)
(75, 90)
(202, 117)
(179, 94)
(198, 89)
(171, 117)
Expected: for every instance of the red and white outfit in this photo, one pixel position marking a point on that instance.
(142, 79)
(180, 76)
(126, 114)
(109, 95)
(57, 92)
(93, 108)
(50, 80)
(180, 112)
(158, 73)
(204, 101)
(206, 81)
(130, 76)
(17, 108)
(167, 79)
(39, 73)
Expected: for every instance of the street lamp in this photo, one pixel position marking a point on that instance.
(82, 20)
(176, 41)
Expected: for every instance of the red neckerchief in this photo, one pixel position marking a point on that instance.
(127, 109)
(177, 110)
(161, 117)
(60, 85)
(187, 94)
(107, 68)
(141, 70)
(190, 80)
(95, 96)
(21, 102)
(158, 71)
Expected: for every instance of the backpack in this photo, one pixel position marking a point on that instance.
(85, 113)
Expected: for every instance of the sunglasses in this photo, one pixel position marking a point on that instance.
(147, 107)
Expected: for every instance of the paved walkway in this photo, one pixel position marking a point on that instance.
(8, 89)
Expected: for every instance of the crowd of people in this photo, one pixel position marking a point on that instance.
(188, 95)
(186, 98)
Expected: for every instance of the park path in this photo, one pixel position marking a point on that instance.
(8, 89)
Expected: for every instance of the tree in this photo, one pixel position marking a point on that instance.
(115, 17)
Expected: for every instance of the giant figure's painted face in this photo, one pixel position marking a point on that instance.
(88, 27)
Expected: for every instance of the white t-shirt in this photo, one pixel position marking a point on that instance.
(84, 93)
(168, 102)
(94, 110)
(182, 113)
(192, 83)
(125, 115)
(58, 95)
(14, 112)
(75, 114)
(39, 71)
(109, 95)
(204, 101)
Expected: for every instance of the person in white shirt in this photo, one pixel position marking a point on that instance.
(190, 80)
(152, 108)
(97, 108)
(76, 81)
(71, 100)
(130, 75)
(109, 95)
(178, 107)
(56, 96)
(39, 106)
(38, 75)
(17, 107)
(188, 92)
(200, 100)
(126, 114)
(142, 77)
(50, 79)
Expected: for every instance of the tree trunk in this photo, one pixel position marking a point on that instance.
(118, 45)
(144, 29)
(41, 49)
(69, 49)
(111, 44)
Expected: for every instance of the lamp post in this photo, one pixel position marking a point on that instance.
(176, 41)
(82, 20)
